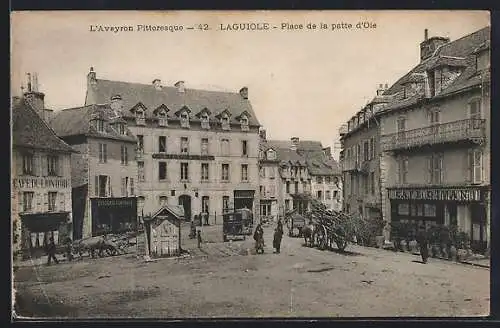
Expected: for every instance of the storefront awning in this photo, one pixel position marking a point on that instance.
(41, 222)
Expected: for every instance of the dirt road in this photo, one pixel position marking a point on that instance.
(225, 280)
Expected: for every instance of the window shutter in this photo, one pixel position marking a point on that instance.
(123, 187)
(483, 171)
(43, 162)
(441, 168)
(428, 169)
(96, 187)
(468, 165)
(110, 190)
(398, 170)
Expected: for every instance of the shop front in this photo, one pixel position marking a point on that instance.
(244, 199)
(38, 228)
(301, 203)
(113, 215)
(465, 207)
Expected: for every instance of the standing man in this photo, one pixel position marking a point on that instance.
(199, 239)
(278, 234)
(51, 251)
(422, 243)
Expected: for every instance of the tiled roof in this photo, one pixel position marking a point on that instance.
(461, 48)
(30, 130)
(308, 153)
(195, 100)
(76, 121)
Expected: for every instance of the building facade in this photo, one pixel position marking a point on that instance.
(434, 149)
(41, 179)
(195, 148)
(271, 184)
(304, 170)
(103, 173)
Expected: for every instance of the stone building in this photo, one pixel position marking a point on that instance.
(41, 178)
(434, 138)
(304, 170)
(196, 148)
(103, 173)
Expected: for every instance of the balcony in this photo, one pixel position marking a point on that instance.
(471, 131)
(353, 165)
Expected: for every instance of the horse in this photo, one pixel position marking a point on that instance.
(308, 232)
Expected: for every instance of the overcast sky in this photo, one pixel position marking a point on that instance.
(301, 83)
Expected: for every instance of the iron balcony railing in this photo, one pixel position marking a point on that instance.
(463, 130)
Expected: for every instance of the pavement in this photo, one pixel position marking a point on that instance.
(230, 280)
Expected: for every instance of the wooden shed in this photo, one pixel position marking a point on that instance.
(163, 232)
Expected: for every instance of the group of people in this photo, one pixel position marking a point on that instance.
(259, 237)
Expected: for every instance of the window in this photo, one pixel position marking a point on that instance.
(262, 172)
(124, 155)
(140, 143)
(401, 124)
(225, 147)
(140, 172)
(225, 203)
(328, 180)
(404, 209)
(184, 171)
(205, 204)
(102, 185)
(272, 191)
(296, 187)
(287, 204)
(372, 182)
(132, 187)
(28, 164)
(163, 200)
(204, 171)
(125, 186)
(288, 187)
(162, 118)
(184, 120)
(366, 151)
(434, 120)
(103, 153)
(225, 122)
(475, 108)
(28, 201)
(327, 195)
(244, 123)
(225, 172)
(429, 210)
(162, 144)
(244, 150)
(272, 173)
(403, 170)
(204, 146)
(475, 166)
(52, 165)
(358, 153)
(184, 145)
(435, 168)
(140, 117)
(162, 171)
(372, 148)
(205, 121)
(52, 201)
(319, 194)
(121, 128)
(319, 180)
(100, 125)
(244, 172)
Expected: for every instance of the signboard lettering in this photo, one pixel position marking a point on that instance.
(436, 194)
(115, 202)
(41, 182)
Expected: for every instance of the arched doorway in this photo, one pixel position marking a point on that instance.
(185, 201)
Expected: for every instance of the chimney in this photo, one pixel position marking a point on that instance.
(35, 98)
(295, 143)
(91, 77)
(116, 103)
(262, 134)
(157, 84)
(180, 86)
(244, 92)
(381, 89)
(429, 45)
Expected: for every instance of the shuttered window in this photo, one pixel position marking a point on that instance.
(28, 164)
(52, 200)
(103, 153)
(475, 166)
(28, 201)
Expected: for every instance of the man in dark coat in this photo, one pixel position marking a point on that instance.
(422, 240)
(51, 251)
(278, 234)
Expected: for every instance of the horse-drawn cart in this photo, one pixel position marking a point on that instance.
(107, 245)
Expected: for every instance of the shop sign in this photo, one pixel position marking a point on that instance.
(115, 202)
(41, 182)
(243, 193)
(436, 194)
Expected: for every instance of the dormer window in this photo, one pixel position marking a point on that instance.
(205, 121)
(184, 119)
(244, 123)
(225, 122)
(162, 118)
(121, 128)
(140, 118)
